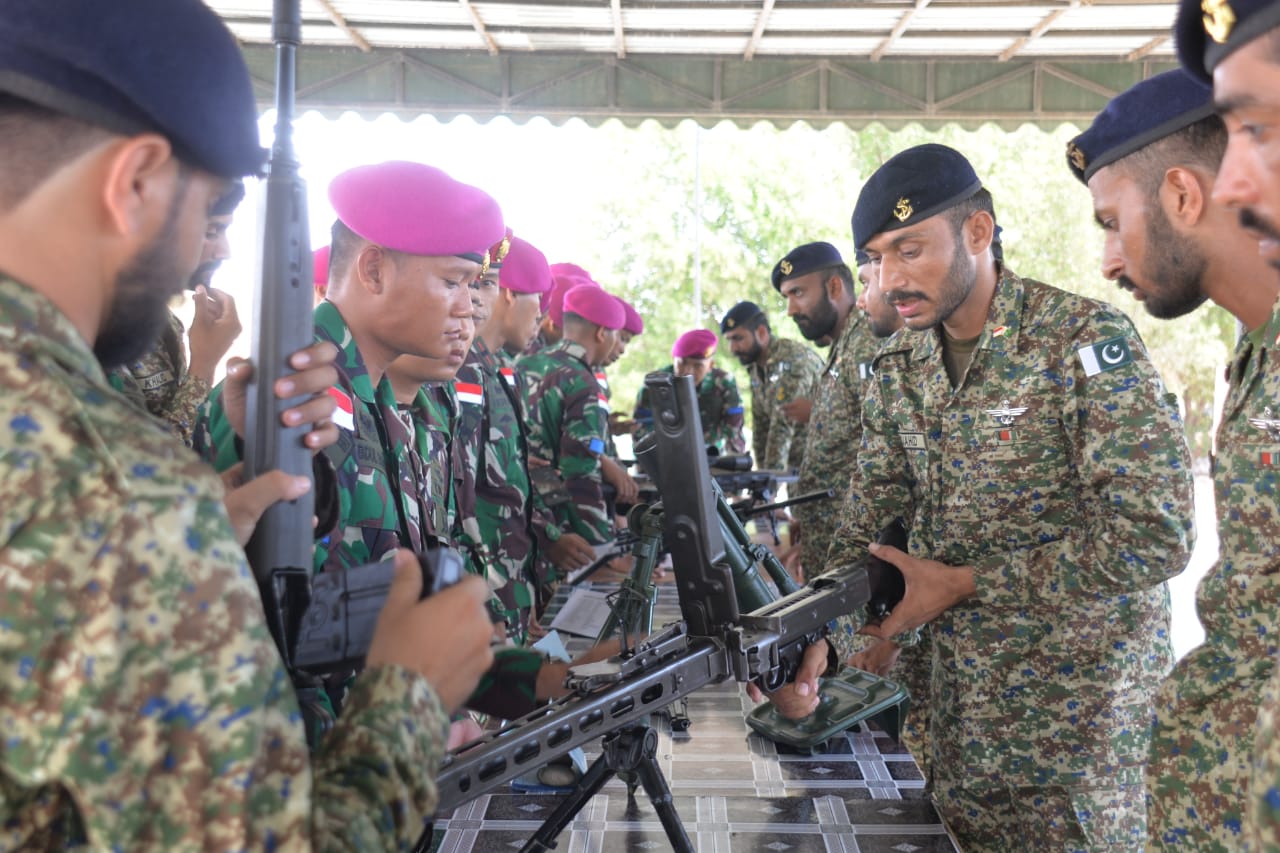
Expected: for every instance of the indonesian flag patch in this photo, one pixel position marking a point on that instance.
(1105, 355)
(345, 415)
(508, 375)
(469, 392)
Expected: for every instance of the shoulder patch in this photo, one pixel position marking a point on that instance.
(1105, 355)
(345, 414)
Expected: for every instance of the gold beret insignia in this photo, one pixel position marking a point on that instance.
(786, 267)
(731, 322)
(1218, 19)
(902, 210)
(503, 248)
(1076, 156)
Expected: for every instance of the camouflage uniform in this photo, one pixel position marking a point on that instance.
(495, 529)
(144, 703)
(1198, 779)
(719, 404)
(568, 420)
(778, 442)
(161, 382)
(1043, 681)
(369, 526)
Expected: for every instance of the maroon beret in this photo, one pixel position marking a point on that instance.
(697, 343)
(320, 266)
(591, 303)
(525, 269)
(562, 283)
(416, 209)
(634, 323)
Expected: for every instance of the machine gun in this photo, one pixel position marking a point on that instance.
(716, 640)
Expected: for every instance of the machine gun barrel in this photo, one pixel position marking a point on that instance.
(762, 509)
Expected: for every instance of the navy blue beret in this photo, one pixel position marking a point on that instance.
(910, 187)
(1208, 31)
(159, 66)
(740, 314)
(1137, 117)
(861, 258)
(805, 259)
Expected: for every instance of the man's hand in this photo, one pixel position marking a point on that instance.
(790, 559)
(798, 410)
(799, 699)
(246, 502)
(315, 376)
(931, 589)
(878, 658)
(570, 552)
(617, 476)
(552, 674)
(444, 638)
(214, 328)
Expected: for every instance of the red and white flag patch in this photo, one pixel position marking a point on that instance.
(508, 375)
(469, 392)
(345, 415)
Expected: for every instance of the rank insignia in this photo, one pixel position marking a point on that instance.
(1076, 156)
(902, 210)
(1268, 424)
(1006, 414)
(1219, 19)
(786, 267)
(1105, 355)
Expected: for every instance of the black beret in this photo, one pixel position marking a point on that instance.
(230, 200)
(1137, 117)
(740, 314)
(861, 258)
(1208, 31)
(910, 187)
(159, 66)
(805, 259)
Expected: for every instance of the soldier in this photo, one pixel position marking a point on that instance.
(719, 403)
(1233, 46)
(1149, 161)
(781, 370)
(1039, 544)
(162, 381)
(568, 415)
(563, 277)
(145, 704)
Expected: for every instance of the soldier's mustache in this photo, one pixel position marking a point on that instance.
(903, 296)
(1252, 221)
(1127, 283)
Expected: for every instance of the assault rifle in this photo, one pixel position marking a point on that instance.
(716, 640)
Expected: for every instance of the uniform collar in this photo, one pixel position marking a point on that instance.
(330, 326)
(28, 318)
(999, 334)
(574, 349)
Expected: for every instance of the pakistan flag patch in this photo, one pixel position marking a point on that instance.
(1105, 355)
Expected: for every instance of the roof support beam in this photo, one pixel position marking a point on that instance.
(341, 23)
(897, 31)
(762, 21)
(619, 40)
(1038, 30)
(1142, 52)
(480, 28)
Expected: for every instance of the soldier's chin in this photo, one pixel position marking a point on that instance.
(127, 335)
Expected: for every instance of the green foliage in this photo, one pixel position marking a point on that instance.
(763, 191)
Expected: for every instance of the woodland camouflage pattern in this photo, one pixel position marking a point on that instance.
(719, 405)
(777, 442)
(568, 421)
(1072, 516)
(144, 704)
(1207, 707)
(161, 383)
(492, 439)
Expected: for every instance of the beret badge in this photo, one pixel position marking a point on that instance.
(786, 267)
(730, 323)
(1218, 19)
(1076, 156)
(902, 210)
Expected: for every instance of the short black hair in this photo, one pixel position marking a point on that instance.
(1201, 143)
(960, 213)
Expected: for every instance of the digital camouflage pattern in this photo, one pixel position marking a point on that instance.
(1206, 710)
(568, 420)
(833, 436)
(143, 701)
(161, 383)
(789, 373)
(719, 405)
(492, 438)
(1043, 682)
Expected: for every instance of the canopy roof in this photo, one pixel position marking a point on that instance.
(894, 61)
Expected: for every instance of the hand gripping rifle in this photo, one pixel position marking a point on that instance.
(715, 641)
(321, 624)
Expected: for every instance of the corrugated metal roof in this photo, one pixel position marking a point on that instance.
(774, 60)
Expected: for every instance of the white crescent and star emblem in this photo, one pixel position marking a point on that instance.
(1112, 353)
(1268, 424)
(1006, 414)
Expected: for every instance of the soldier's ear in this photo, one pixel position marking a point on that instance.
(370, 267)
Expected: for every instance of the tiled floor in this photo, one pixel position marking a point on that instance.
(735, 792)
